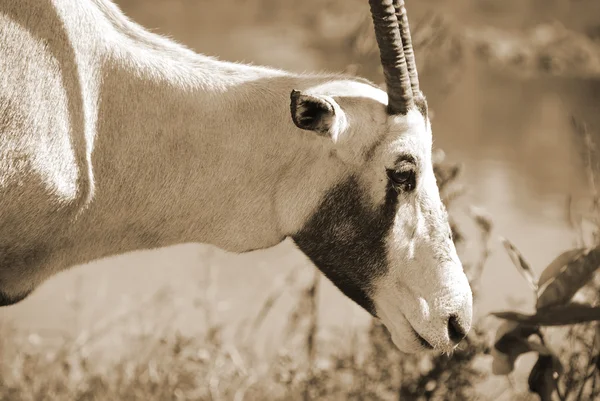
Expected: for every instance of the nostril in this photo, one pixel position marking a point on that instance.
(456, 332)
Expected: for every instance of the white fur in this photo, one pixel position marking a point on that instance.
(113, 139)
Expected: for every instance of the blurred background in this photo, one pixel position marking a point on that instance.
(512, 86)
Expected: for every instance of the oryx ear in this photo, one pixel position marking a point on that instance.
(313, 113)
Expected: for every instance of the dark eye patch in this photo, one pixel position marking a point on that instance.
(345, 239)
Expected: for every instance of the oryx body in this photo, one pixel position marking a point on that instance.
(113, 139)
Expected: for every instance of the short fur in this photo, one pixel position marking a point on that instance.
(114, 139)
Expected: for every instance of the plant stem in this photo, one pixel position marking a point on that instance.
(313, 311)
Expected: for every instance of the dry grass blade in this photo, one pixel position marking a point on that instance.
(570, 279)
(279, 289)
(520, 263)
(104, 326)
(312, 294)
(481, 218)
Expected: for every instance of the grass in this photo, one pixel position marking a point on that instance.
(149, 361)
(172, 366)
(136, 355)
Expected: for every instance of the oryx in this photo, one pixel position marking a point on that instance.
(115, 139)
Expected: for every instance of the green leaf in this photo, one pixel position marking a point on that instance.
(508, 331)
(520, 263)
(555, 267)
(570, 279)
(559, 315)
(519, 329)
(504, 361)
(510, 342)
(544, 375)
(502, 364)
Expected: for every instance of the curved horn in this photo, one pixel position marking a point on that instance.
(409, 53)
(387, 33)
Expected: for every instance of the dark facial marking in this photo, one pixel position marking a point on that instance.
(345, 239)
(5, 300)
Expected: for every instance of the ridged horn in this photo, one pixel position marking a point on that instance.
(391, 50)
(409, 53)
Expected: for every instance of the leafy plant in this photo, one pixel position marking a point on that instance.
(569, 274)
(554, 291)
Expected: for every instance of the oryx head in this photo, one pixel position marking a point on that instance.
(380, 231)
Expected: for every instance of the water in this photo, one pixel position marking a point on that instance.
(521, 161)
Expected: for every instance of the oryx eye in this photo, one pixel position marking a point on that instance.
(403, 177)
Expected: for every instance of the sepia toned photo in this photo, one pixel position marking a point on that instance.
(299, 200)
